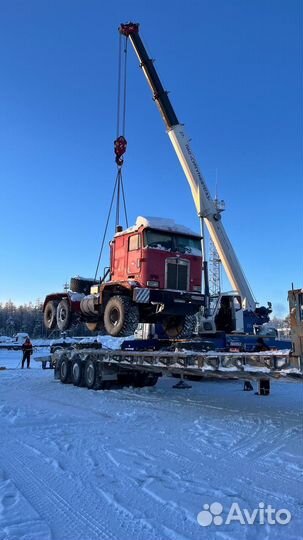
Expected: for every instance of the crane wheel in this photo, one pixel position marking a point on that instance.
(179, 326)
(64, 315)
(121, 316)
(50, 315)
(189, 327)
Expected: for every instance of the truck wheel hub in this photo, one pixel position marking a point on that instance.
(90, 374)
(114, 316)
(63, 369)
(76, 371)
(62, 314)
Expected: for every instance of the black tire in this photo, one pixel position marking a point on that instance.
(121, 316)
(173, 326)
(189, 327)
(179, 327)
(139, 380)
(77, 372)
(43, 364)
(64, 315)
(151, 379)
(90, 374)
(64, 371)
(50, 315)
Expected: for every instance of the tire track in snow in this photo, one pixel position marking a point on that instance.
(130, 517)
(254, 446)
(48, 460)
(247, 441)
(150, 488)
(73, 523)
(17, 516)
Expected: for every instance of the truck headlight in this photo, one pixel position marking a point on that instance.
(197, 288)
(152, 283)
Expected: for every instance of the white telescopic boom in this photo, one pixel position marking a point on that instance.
(203, 201)
(207, 210)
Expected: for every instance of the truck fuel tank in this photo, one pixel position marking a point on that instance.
(89, 304)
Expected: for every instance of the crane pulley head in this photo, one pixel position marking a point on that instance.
(120, 145)
(129, 28)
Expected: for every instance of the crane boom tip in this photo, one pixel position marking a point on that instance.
(128, 29)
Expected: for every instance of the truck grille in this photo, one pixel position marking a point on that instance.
(177, 274)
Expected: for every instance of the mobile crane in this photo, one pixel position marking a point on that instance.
(233, 307)
(134, 294)
(94, 367)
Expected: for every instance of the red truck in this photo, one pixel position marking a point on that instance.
(154, 277)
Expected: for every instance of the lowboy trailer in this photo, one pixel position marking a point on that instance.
(91, 366)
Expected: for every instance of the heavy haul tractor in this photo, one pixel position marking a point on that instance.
(154, 277)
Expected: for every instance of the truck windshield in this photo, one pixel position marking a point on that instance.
(172, 242)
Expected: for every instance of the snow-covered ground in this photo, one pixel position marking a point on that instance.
(141, 463)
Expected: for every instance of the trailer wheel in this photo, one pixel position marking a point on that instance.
(90, 374)
(77, 372)
(64, 315)
(121, 316)
(151, 380)
(139, 380)
(50, 315)
(64, 371)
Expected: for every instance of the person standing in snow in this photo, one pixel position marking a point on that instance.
(27, 349)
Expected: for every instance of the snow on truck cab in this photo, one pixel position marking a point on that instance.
(154, 276)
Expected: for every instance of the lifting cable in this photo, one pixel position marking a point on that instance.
(120, 145)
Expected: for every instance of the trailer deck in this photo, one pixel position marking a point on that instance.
(100, 368)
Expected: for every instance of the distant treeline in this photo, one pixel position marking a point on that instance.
(29, 318)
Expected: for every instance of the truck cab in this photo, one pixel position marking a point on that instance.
(158, 254)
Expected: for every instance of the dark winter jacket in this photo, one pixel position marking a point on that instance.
(27, 347)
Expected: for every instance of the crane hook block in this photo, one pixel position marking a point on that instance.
(129, 28)
(120, 145)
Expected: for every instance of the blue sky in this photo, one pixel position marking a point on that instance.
(233, 72)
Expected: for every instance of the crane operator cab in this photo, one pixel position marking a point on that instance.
(226, 317)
